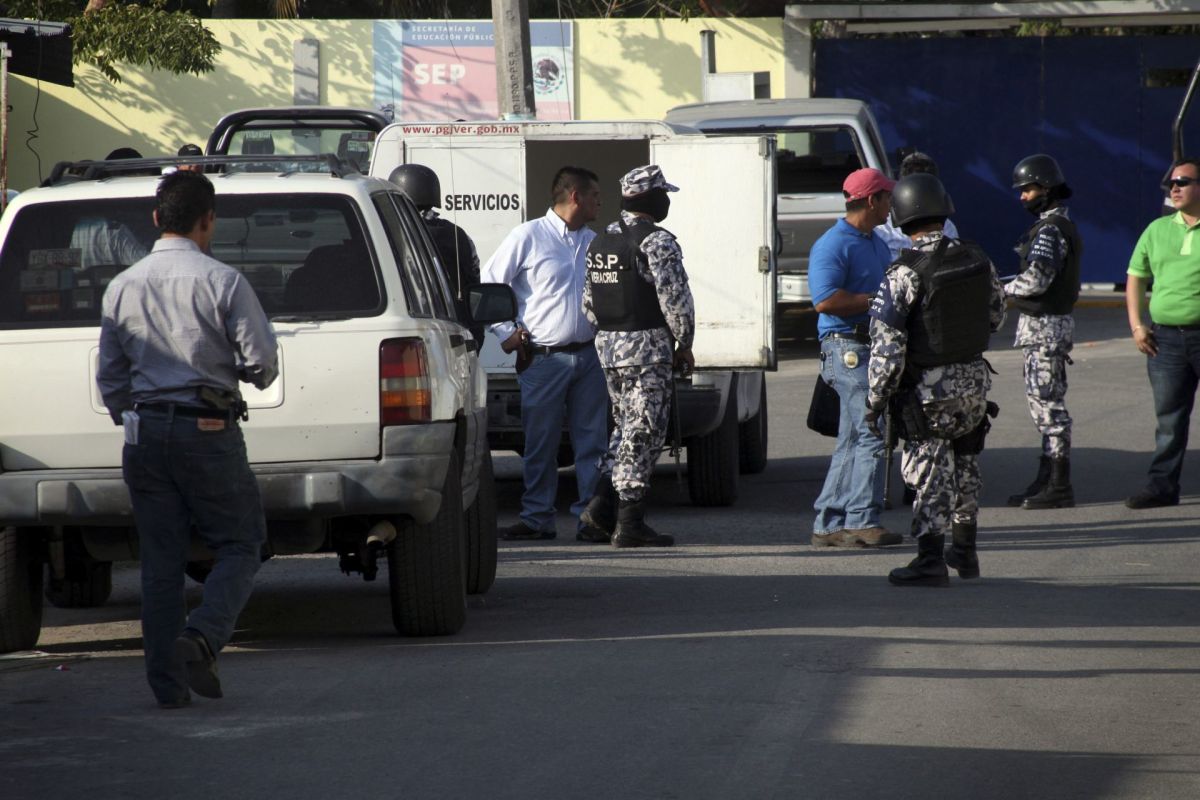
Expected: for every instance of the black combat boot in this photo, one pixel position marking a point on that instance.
(599, 518)
(1039, 483)
(1058, 492)
(928, 568)
(961, 553)
(633, 532)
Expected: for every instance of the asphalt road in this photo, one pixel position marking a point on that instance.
(740, 664)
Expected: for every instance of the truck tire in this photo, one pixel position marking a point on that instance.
(481, 532)
(20, 590)
(713, 459)
(752, 438)
(426, 568)
(87, 583)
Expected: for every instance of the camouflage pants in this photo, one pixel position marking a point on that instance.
(1046, 393)
(947, 485)
(641, 397)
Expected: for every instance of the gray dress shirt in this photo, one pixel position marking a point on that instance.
(176, 321)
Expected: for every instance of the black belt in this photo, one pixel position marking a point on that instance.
(547, 349)
(193, 412)
(1179, 327)
(861, 338)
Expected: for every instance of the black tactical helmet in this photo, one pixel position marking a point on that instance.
(420, 183)
(919, 196)
(1040, 169)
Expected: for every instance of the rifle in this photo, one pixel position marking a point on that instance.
(889, 440)
(676, 433)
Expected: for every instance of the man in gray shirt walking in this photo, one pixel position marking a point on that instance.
(178, 331)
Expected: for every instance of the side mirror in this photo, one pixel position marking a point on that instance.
(490, 303)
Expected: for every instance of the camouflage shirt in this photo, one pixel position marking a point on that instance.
(1047, 257)
(663, 267)
(897, 298)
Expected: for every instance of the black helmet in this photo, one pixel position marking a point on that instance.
(919, 196)
(1040, 169)
(420, 183)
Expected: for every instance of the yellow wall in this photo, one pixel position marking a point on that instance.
(155, 112)
(639, 68)
(625, 69)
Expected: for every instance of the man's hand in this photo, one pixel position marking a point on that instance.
(1143, 337)
(684, 361)
(872, 418)
(518, 339)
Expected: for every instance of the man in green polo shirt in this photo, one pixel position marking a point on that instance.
(1169, 253)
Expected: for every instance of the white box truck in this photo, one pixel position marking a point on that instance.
(496, 175)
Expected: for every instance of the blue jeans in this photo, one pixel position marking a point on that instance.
(554, 388)
(180, 476)
(852, 497)
(1174, 374)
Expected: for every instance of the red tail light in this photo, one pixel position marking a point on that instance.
(404, 395)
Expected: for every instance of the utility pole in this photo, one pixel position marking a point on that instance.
(514, 69)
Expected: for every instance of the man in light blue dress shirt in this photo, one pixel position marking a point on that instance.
(544, 261)
(178, 328)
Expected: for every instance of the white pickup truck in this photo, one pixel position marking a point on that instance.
(496, 175)
(820, 142)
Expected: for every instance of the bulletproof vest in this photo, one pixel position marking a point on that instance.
(1063, 291)
(952, 323)
(621, 299)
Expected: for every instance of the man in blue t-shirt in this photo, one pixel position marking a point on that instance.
(845, 269)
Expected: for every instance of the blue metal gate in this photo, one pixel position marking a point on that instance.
(979, 105)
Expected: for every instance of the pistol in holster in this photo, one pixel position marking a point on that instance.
(971, 444)
(229, 402)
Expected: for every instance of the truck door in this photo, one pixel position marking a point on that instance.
(724, 218)
(482, 179)
(482, 176)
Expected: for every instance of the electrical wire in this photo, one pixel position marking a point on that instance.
(569, 78)
(32, 134)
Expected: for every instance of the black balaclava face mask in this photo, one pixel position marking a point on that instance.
(1038, 204)
(655, 202)
(1048, 198)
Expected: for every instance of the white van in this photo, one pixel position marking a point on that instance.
(496, 175)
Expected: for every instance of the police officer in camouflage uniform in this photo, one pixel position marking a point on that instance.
(1045, 292)
(930, 322)
(459, 258)
(637, 296)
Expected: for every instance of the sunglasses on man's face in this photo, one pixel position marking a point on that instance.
(1180, 182)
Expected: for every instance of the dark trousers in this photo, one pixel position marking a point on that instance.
(180, 476)
(1174, 374)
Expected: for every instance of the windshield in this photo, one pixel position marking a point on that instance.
(303, 255)
(812, 160)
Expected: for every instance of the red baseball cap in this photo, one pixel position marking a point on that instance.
(866, 182)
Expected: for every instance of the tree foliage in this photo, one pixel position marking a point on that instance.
(108, 34)
(482, 9)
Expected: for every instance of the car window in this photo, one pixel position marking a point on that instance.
(811, 160)
(303, 254)
(443, 302)
(352, 146)
(417, 292)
